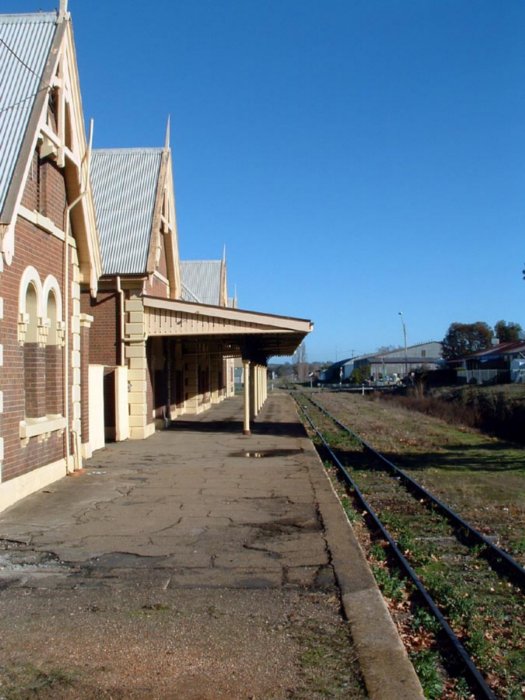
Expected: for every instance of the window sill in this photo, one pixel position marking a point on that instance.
(31, 427)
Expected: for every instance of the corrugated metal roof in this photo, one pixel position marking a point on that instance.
(509, 347)
(124, 188)
(201, 281)
(25, 41)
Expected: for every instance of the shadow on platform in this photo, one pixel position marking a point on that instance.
(228, 426)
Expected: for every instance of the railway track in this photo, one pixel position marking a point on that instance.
(472, 588)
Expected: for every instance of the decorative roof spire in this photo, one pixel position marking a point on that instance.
(167, 139)
(62, 12)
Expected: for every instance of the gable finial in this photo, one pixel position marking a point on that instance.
(224, 253)
(62, 12)
(167, 139)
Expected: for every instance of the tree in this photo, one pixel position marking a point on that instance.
(285, 371)
(301, 362)
(360, 374)
(465, 338)
(506, 332)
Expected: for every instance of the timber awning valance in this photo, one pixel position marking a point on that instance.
(242, 333)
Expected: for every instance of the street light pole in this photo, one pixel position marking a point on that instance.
(405, 339)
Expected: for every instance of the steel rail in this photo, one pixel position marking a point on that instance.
(499, 559)
(474, 677)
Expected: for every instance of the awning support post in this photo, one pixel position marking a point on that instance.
(246, 372)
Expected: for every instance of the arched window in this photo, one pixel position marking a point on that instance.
(54, 337)
(53, 359)
(41, 337)
(41, 334)
(33, 365)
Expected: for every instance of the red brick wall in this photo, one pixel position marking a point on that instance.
(44, 191)
(54, 359)
(34, 380)
(105, 332)
(157, 288)
(30, 196)
(162, 262)
(44, 252)
(52, 193)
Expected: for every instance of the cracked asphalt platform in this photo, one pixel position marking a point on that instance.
(186, 566)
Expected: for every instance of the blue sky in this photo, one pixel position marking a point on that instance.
(357, 158)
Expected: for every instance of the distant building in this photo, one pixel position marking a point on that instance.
(498, 364)
(399, 363)
(338, 372)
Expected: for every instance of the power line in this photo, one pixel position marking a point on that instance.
(29, 97)
(11, 51)
(24, 99)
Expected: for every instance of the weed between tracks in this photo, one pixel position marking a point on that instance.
(485, 611)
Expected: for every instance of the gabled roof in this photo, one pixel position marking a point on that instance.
(25, 43)
(399, 352)
(201, 281)
(508, 348)
(125, 184)
(37, 65)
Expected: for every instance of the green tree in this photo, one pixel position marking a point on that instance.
(360, 374)
(506, 332)
(465, 338)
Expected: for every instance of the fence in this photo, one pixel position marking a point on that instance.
(483, 376)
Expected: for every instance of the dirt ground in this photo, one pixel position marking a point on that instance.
(179, 567)
(66, 637)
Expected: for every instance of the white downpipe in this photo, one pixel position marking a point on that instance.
(67, 214)
(121, 317)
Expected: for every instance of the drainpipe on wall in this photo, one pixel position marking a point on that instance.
(121, 317)
(67, 213)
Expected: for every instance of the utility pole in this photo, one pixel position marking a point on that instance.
(405, 339)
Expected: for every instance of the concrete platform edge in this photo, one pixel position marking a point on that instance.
(386, 668)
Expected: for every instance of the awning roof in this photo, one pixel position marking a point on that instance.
(248, 334)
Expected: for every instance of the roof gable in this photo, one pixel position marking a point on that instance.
(201, 281)
(25, 44)
(38, 68)
(125, 184)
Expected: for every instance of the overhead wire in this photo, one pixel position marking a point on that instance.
(21, 60)
(28, 97)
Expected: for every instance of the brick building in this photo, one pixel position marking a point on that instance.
(100, 337)
(164, 333)
(49, 252)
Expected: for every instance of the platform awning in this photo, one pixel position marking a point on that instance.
(237, 332)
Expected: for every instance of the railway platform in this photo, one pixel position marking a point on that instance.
(203, 536)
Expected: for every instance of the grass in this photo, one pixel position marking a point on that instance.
(27, 681)
(427, 664)
(328, 668)
(497, 410)
(481, 477)
(351, 513)
(392, 585)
